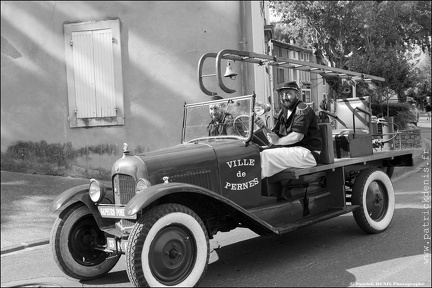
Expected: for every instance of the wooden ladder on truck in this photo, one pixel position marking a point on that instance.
(263, 59)
(358, 113)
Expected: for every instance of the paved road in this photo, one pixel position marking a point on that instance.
(25, 206)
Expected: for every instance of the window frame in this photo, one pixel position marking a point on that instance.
(281, 75)
(74, 121)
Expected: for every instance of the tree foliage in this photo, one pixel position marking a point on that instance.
(371, 37)
(389, 63)
(422, 81)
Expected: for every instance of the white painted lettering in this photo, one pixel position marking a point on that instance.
(107, 211)
(119, 212)
(241, 174)
(240, 162)
(241, 186)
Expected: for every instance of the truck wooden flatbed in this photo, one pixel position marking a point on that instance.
(389, 158)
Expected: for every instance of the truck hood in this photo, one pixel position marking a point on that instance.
(178, 158)
(194, 163)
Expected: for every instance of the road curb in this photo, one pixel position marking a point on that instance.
(22, 246)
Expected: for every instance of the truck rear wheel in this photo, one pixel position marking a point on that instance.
(168, 246)
(373, 191)
(74, 237)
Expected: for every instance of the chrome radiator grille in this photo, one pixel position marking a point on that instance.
(124, 188)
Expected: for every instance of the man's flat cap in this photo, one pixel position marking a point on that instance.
(289, 85)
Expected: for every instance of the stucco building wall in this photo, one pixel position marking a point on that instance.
(161, 45)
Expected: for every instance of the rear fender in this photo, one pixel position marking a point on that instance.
(153, 193)
(80, 194)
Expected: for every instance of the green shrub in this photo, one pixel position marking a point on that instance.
(9, 164)
(401, 112)
(40, 152)
(52, 159)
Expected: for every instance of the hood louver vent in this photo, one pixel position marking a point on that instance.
(201, 178)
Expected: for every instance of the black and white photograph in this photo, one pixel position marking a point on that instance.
(216, 143)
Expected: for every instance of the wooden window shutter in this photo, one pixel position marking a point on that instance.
(104, 73)
(94, 73)
(84, 74)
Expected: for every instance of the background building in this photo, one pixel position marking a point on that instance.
(313, 86)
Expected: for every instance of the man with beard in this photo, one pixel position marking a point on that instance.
(295, 136)
(222, 123)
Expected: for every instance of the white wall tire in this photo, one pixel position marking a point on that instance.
(168, 246)
(74, 236)
(373, 192)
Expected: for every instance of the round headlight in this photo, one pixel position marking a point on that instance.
(141, 185)
(96, 191)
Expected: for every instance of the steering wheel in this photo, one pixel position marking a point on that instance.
(241, 125)
(242, 122)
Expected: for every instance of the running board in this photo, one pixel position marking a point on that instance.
(306, 221)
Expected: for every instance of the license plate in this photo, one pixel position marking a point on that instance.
(112, 245)
(114, 212)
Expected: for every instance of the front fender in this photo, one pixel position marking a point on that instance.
(75, 194)
(153, 193)
(80, 194)
(69, 197)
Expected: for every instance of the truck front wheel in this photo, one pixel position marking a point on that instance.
(77, 244)
(374, 193)
(168, 246)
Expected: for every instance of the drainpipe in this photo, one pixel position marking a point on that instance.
(242, 42)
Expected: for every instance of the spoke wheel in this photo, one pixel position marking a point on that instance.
(374, 193)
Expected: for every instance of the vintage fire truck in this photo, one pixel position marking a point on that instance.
(161, 207)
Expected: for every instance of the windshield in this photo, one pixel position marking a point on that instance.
(218, 119)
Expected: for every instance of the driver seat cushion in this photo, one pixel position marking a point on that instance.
(326, 155)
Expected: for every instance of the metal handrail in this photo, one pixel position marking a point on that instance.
(200, 76)
(364, 111)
